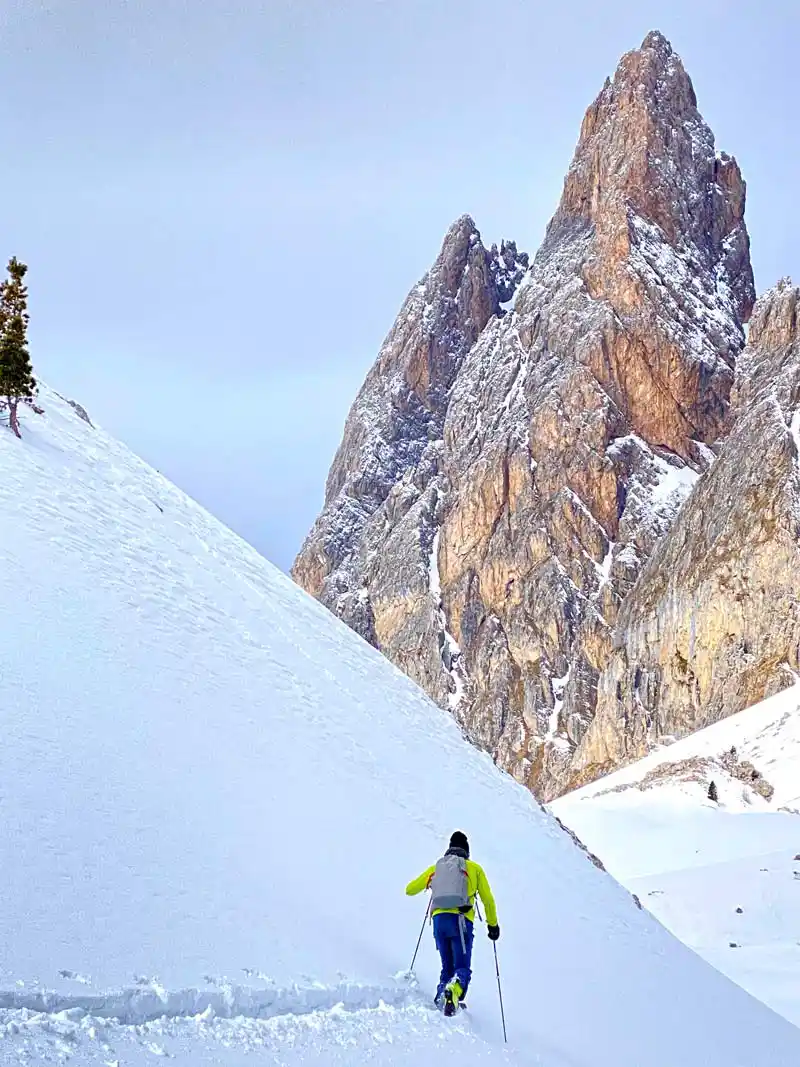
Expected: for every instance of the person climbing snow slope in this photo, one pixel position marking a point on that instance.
(454, 882)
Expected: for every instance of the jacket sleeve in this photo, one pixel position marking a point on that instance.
(485, 894)
(418, 884)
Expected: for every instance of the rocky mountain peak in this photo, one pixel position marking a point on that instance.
(391, 448)
(657, 42)
(506, 473)
(651, 220)
(646, 176)
(461, 254)
(627, 131)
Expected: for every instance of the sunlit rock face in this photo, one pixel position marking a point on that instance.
(512, 461)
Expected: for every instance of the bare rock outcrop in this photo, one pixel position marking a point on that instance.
(504, 477)
(713, 624)
(577, 425)
(704, 772)
(367, 557)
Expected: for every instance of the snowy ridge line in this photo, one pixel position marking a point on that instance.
(133, 1007)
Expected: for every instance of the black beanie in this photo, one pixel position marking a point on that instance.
(459, 840)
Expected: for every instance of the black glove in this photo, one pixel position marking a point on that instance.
(494, 933)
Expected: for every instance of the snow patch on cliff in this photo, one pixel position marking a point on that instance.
(604, 568)
(552, 736)
(794, 428)
(674, 483)
(449, 647)
(658, 486)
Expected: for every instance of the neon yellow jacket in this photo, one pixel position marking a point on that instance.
(477, 882)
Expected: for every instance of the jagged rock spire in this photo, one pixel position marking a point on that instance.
(391, 448)
(654, 217)
(645, 148)
(504, 478)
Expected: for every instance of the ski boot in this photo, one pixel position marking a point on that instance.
(452, 996)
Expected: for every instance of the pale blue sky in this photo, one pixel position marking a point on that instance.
(223, 204)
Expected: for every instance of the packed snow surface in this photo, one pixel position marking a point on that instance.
(213, 794)
(724, 877)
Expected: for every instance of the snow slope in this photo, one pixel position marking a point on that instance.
(212, 796)
(694, 863)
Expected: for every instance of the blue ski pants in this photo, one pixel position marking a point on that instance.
(453, 937)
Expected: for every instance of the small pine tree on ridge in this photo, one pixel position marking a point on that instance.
(16, 371)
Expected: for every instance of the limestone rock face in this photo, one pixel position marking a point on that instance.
(577, 426)
(713, 624)
(367, 556)
(505, 476)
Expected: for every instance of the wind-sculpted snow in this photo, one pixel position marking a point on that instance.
(204, 773)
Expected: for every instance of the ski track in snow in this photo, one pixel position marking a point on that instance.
(141, 1005)
(338, 1025)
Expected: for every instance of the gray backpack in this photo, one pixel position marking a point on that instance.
(448, 884)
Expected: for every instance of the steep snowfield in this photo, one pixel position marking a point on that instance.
(213, 794)
(693, 863)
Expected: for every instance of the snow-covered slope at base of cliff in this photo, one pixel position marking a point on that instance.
(695, 863)
(213, 794)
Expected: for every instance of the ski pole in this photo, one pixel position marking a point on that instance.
(497, 969)
(500, 991)
(419, 939)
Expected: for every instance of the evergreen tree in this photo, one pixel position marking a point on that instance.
(712, 793)
(16, 373)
